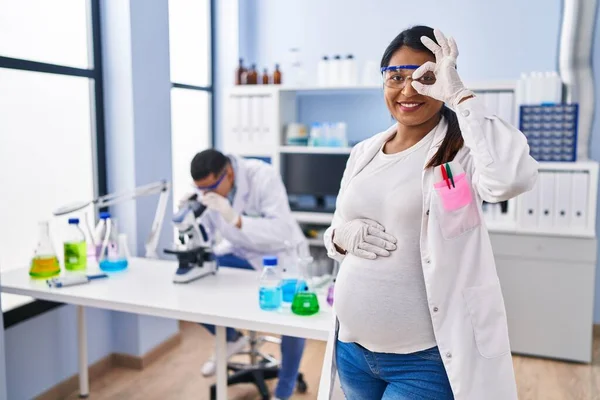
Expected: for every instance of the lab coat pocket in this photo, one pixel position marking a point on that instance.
(488, 317)
(456, 211)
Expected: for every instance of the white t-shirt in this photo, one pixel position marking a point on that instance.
(381, 304)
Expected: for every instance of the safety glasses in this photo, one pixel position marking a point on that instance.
(396, 76)
(214, 185)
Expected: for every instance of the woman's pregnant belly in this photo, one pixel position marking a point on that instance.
(382, 304)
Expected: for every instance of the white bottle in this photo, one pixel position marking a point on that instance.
(323, 72)
(335, 71)
(326, 133)
(316, 135)
(349, 71)
(520, 97)
(556, 84)
(342, 138)
(297, 74)
(538, 87)
(371, 75)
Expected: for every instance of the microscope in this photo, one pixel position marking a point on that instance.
(194, 252)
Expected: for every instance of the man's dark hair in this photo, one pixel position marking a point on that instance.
(208, 162)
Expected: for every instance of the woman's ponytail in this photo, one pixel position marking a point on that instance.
(451, 144)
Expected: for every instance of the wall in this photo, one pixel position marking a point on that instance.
(495, 40)
(595, 141)
(42, 351)
(228, 30)
(2, 358)
(137, 89)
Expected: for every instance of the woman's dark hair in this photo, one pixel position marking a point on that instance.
(453, 141)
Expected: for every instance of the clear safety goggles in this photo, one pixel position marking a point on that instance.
(396, 76)
(214, 186)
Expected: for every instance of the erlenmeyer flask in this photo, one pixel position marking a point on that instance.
(112, 256)
(44, 263)
(290, 275)
(305, 300)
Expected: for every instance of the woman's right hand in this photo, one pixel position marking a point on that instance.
(364, 238)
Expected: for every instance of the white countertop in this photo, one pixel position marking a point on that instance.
(230, 298)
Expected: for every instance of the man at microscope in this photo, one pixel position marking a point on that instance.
(247, 206)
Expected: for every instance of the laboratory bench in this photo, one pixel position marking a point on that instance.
(227, 299)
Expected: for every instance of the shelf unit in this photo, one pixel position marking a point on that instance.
(313, 217)
(315, 242)
(255, 120)
(314, 150)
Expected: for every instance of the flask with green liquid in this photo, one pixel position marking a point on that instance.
(305, 300)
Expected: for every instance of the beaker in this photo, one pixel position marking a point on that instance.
(305, 300)
(44, 263)
(291, 276)
(113, 256)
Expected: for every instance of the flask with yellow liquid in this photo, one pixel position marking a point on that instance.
(44, 263)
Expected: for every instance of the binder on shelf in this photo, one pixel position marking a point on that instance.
(547, 185)
(562, 195)
(258, 118)
(579, 200)
(268, 109)
(529, 208)
(244, 118)
(506, 107)
(491, 101)
(235, 116)
(251, 133)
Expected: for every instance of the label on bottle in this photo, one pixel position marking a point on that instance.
(75, 255)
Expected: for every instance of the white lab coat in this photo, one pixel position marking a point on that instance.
(267, 222)
(463, 290)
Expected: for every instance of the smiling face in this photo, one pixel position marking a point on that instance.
(406, 105)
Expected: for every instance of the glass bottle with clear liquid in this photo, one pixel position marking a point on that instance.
(305, 300)
(45, 262)
(269, 292)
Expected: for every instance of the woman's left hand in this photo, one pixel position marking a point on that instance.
(447, 87)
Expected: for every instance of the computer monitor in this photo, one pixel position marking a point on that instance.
(317, 175)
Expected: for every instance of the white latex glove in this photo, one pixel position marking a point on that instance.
(364, 238)
(185, 198)
(223, 247)
(214, 201)
(447, 87)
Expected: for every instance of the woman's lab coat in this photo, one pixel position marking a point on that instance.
(267, 222)
(463, 291)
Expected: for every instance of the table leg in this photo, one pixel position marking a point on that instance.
(221, 360)
(84, 385)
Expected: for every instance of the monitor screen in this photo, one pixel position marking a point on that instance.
(313, 174)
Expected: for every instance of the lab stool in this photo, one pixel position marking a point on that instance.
(261, 368)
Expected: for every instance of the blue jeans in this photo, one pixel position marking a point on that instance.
(366, 375)
(291, 347)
